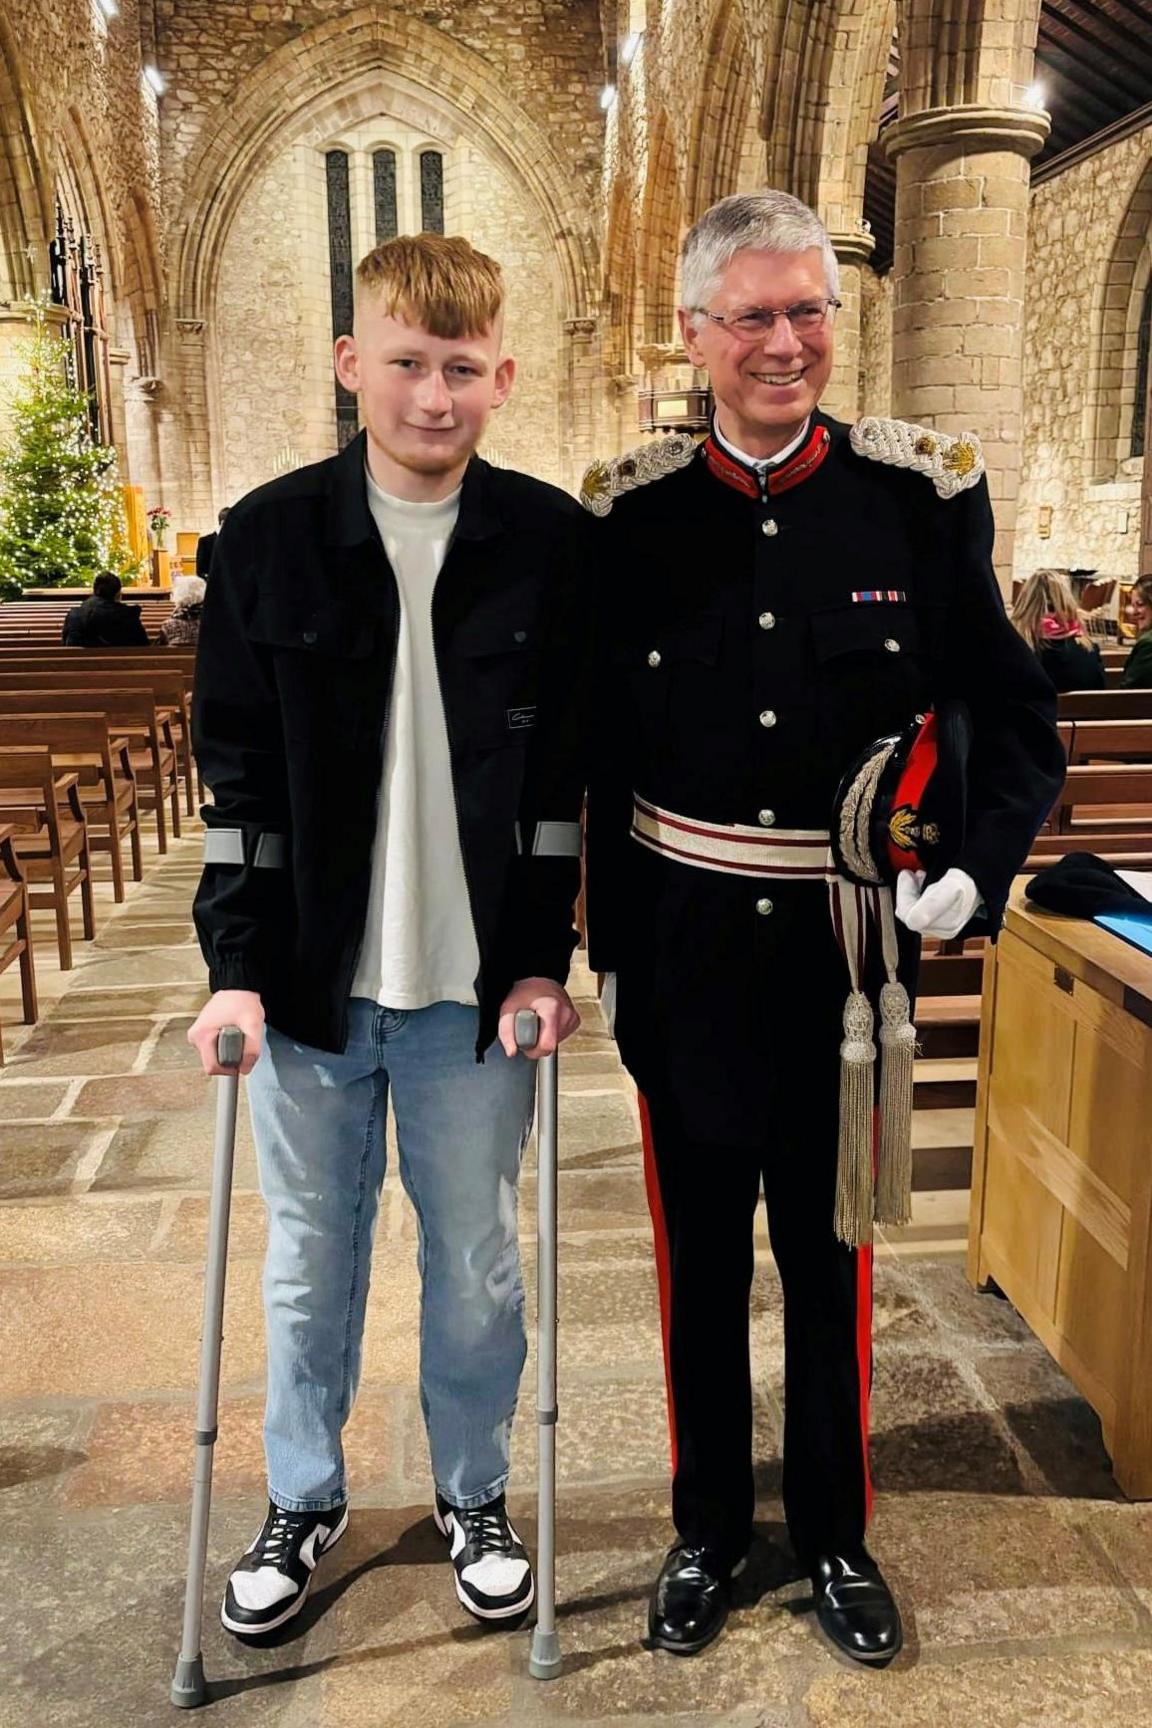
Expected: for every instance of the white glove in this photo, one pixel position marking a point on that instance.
(942, 910)
(608, 1003)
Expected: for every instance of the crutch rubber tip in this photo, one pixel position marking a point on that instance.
(544, 1661)
(188, 1687)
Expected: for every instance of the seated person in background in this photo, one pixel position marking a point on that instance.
(1048, 618)
(182, 628)
(1138, 666)
(206, 545)
(105, 621)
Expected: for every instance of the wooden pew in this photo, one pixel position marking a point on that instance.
(14, 916)
(134, 712)
(107, 783)
(166, 690)
(1106, 705)
(51, 844)
(1109, 740)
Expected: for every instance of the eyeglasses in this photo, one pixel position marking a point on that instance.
(755, 322)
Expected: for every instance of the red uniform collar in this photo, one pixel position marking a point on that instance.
(799, 466)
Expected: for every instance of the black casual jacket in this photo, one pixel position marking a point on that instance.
(751, 648)
(100, 623)
(293, 682)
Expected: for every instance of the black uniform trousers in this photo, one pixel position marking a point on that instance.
(703, 1198)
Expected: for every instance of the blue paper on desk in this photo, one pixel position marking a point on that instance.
(1135, 927)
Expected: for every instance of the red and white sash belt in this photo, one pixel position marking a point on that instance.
(874, 1176)
(789, 854)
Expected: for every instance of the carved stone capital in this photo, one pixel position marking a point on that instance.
(970, 126)
(580, 329)
(653, 355)
(624, 382)
(853, 245)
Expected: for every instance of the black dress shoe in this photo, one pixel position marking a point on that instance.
(691, 1600)
(856, 1609)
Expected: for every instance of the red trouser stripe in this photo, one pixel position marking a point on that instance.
(864, 1361)
(663, 1263)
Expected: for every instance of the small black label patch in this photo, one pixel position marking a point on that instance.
(520, 719)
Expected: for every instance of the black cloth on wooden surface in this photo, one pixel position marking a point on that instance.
(1080, 885)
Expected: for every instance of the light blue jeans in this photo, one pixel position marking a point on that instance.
(461, 1127)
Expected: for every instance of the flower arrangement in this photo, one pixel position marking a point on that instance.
(158, 519)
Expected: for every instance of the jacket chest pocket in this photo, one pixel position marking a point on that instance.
(871, 672)
(672, 672)
(327, 672)
(499, 661)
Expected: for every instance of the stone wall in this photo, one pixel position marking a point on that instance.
(1089, 260)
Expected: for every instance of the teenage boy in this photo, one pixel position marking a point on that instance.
(390, 658)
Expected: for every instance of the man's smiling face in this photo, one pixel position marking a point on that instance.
(766, 389)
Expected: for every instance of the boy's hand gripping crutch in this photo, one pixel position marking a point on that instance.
(544, 1661)
(188, 1687)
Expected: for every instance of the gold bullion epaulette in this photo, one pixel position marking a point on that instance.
(605, 481)
(951, 463)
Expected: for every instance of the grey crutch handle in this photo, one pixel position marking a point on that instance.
(229, 1047)
(544, 1659)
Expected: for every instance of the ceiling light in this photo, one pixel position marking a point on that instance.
(607, 96)
(1034, 96)
(631, 44)
(155, 80)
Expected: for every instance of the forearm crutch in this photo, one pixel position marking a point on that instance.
(544, 1660)
(188, 1686)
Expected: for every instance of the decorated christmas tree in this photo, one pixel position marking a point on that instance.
(61, 510)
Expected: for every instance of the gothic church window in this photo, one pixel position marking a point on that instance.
(340, 278)
(1140, 405)
(432, 192)
(384, 195)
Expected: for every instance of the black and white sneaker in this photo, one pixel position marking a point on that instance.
(271, 1582)
(493, 1571)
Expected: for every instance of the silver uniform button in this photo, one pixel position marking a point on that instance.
(892, 645)
(654, 657)
(767, 818)
(767, 718)
(764, 907)
(769, 527)
(767, 620)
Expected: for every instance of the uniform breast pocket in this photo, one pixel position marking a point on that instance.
(326, 671)
(673, 670)
(871, 675)
(500, 660)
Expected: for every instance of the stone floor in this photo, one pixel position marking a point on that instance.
(1026, 1578)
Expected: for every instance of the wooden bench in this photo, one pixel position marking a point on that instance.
(51, 844)
(82, 742)
(133, 712)
(1108, 740)
(166, 682)
(1106, 705)
(14, 917)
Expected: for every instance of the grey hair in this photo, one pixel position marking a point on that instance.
(188, 590)
(767, 221)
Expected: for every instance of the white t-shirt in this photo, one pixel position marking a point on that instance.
(419, 941)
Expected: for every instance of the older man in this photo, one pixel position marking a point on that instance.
(775, 600)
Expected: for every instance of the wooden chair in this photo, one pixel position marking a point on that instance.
(107, 782)
(51, 844)
(14, 917)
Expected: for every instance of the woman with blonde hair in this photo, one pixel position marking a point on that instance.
(1047, 617)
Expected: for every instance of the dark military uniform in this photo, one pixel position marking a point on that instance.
(755, 637)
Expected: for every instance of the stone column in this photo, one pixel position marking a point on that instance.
(853, 249)
(581, 436)
(961, 251)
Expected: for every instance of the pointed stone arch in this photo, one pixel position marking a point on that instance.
(349, 51)
(662, 222)
(1117, 313)
(26, 213)
(725, 146)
